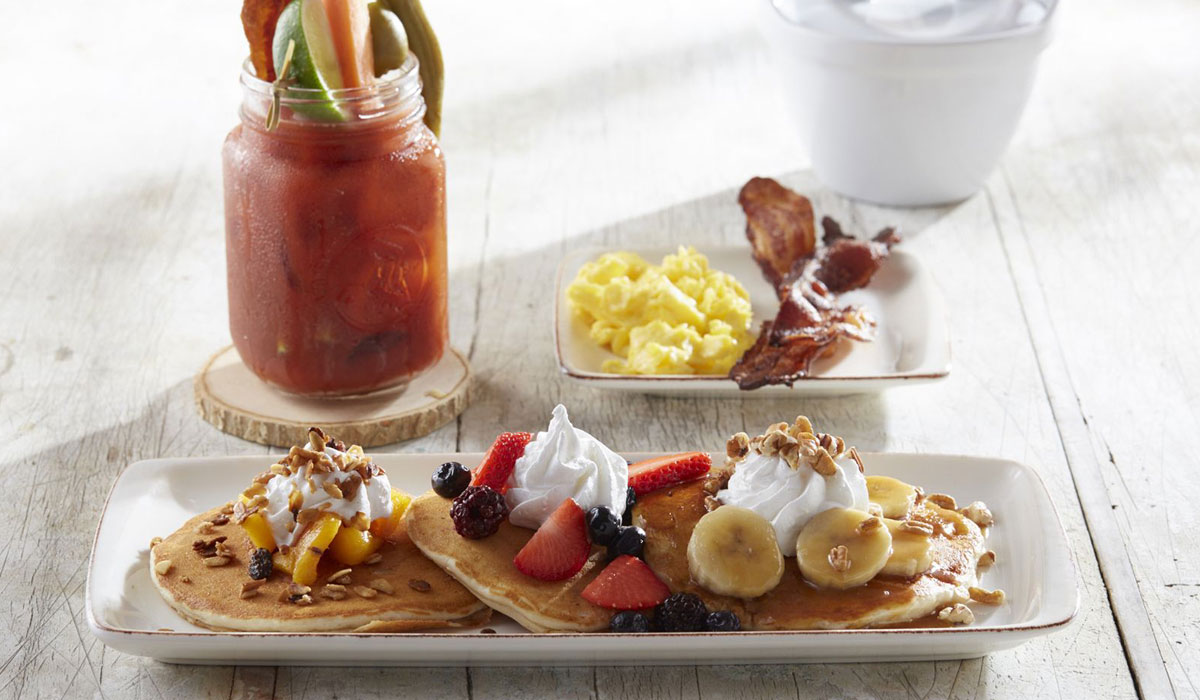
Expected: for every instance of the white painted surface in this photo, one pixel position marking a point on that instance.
(1069, 285)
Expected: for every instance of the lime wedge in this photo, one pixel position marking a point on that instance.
(389, 41)
(314, 62)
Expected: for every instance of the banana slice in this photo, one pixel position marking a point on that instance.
(895, 497)
(733, 552)
(912, 550)
(843, 548)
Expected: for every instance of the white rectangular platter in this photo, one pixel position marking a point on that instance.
(155, 497)
(912, 346)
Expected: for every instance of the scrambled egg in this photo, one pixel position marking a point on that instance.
(676, 318)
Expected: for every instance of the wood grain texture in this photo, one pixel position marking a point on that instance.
(1069, 286)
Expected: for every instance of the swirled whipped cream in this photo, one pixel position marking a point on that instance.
(362, 487)
(565, 462)
(790, 475)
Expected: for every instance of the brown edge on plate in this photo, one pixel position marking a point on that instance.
(95, 624)
(278, 432)
(604, 377)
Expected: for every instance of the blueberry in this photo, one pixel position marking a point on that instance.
(630, 540)
(628, 622)
(630, 502)
(722, 621)
(602, 525)
(451, 479)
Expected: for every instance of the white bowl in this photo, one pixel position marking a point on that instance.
(905, 122)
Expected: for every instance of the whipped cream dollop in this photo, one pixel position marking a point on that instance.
(373, 497)
(565, 462)
(788, 497)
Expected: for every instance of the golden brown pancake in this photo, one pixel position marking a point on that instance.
(423, 595)
(485, 566)
(669, 515)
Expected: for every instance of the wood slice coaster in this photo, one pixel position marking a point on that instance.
(232, 398)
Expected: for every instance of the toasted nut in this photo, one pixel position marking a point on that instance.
(227, 509)
(373, 559)
(982, 595)
(825, 466)
(216, 561)
(978, 513)
(250, 588)
(185, 579)
(986, 561)
(917, 526)
(839, 558)
(738, 446)
(305, 599)
(711, 504)
(959, 614)
(332, 489)
(298, 589)
(419, 585)
(162, 566)
(869, 525)
(254, 490)
(316, 438)
(220, 520)
(364, 592)
(281, 470)
(774, 441)
(382, 585)
(853, 454)
(801, 426)
(341, 576)
(942, 501)
(791, 454)
(264, 477)
(295, 500)
(333, 591)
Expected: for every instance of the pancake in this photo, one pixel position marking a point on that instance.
(669, 515)
(423, 596)
(485, 567)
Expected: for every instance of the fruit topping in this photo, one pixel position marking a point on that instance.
(500, 459)
(261, 564)
(733, 551)
(385, 528)
(895, 498)
(912, 550)
(352, 546)
(478, 511)
(559, 548)
(389, 41)
(451, 479)
(628, 622)
(626, 584)
(603, 525)
(259, 18)
(629, 541)
(630, 502)
(842, 548)
(660, 472)
(722, 621)
(681, 612)
(302, 558)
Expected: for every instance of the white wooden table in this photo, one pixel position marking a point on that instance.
(1071, 282)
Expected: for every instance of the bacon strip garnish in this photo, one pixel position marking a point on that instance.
(779, 224)
(258, 22)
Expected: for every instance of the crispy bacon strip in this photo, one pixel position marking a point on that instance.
(258, 22)
(779, 224)
(809, 320)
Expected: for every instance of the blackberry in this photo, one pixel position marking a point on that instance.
(630, 502)
(722, 621)
(450, 479)
(478, 511)
(681, 612)
(629, 540)
(261, 564)
(603, 525)
(627, 622)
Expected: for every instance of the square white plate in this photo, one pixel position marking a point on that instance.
(912, 347)
(154, 497)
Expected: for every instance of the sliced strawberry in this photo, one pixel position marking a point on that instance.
(660, 472)
(559, 548)
(500, 459)
(626, 584)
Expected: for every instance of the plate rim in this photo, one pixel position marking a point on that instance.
(723, 381)
(103, 631)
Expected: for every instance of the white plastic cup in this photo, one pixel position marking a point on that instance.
(903, 122)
